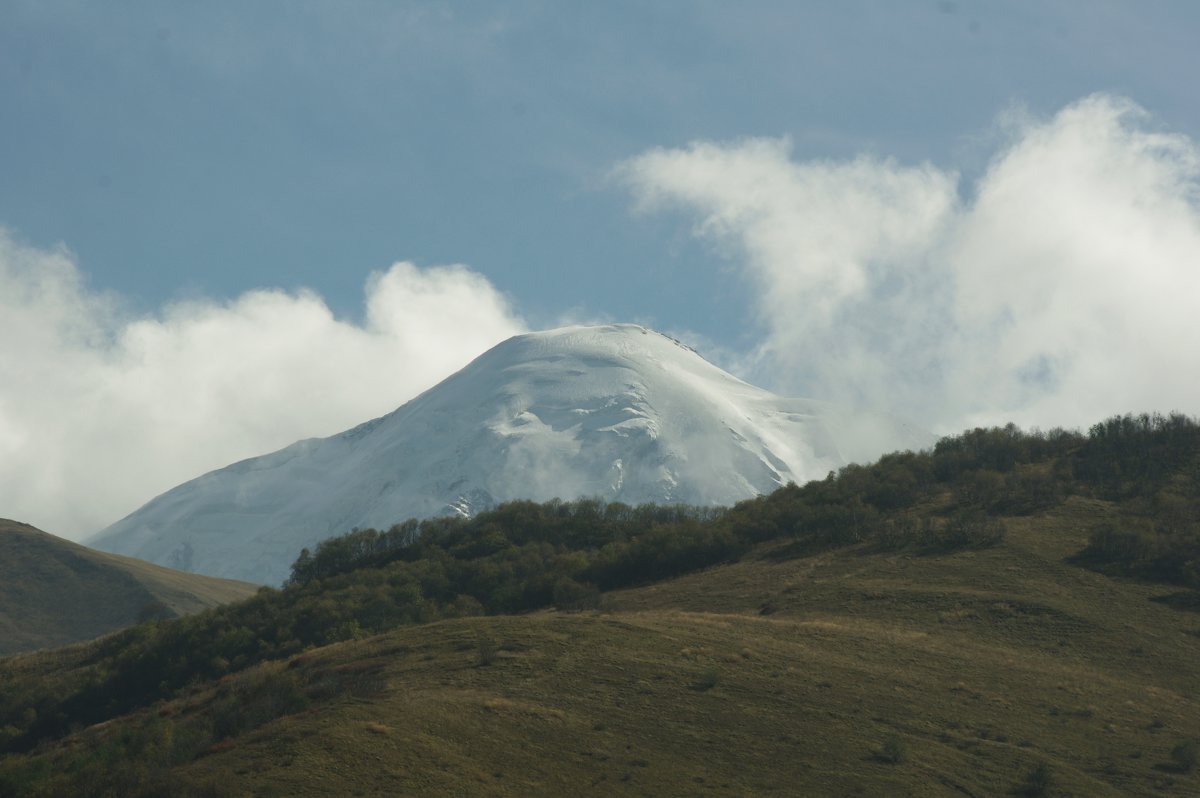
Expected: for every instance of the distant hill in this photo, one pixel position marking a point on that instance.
(619, 412)
(54, 592)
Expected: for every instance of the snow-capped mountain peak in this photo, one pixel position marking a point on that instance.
(616, 411)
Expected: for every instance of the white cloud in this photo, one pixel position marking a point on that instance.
(1063, 287)
(100, 411)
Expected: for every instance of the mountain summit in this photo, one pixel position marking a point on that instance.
(617, 411)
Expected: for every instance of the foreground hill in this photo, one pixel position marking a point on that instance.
(619, 412)
(54, 592)
(874, 675)
(1010, 614)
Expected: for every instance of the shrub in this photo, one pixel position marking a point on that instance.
(969, 530)
(707, 681)
(1185, 756)
(570, 595)
(1038, 782)
(894, 751)
(485, 651)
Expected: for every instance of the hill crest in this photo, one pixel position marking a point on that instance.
(54, 592)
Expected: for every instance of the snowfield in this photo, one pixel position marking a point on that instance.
(619, 411)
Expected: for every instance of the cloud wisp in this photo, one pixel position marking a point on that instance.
(101, 410)
(1062, 286)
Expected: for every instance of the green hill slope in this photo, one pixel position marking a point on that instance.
(971, 670)
(54, 592)
(1010, 614)
(831, 700)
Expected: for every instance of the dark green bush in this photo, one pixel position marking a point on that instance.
(1185, 756)
(893, 751)
(1038, 782)
(570, 595)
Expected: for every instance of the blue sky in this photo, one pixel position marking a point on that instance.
(184, 149)
(162, 162)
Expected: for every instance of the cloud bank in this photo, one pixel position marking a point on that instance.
(101, 410)
(1061, 287)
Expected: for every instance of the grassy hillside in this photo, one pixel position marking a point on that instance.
(54, 592)
(1008, 615)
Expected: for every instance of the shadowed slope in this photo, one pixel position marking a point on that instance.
(54, 592)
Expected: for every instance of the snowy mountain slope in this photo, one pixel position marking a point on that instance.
(617, 411)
